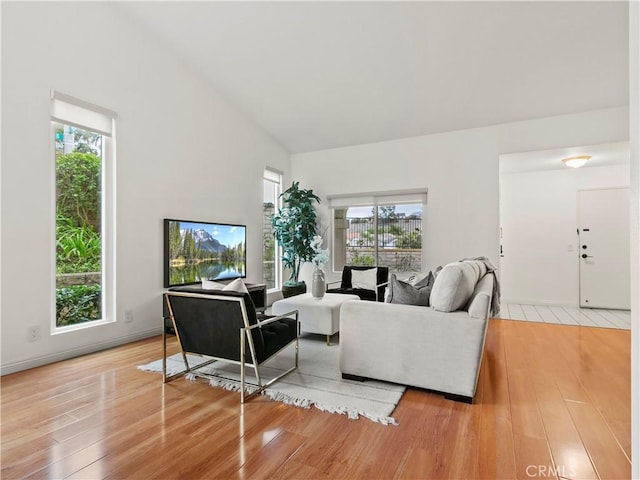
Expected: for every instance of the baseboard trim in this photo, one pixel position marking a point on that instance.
(528, 301)
(15, 367)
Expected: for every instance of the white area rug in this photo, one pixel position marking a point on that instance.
(317, 381)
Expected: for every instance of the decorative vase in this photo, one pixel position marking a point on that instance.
(318, 284)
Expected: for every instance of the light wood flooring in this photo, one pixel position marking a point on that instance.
(552, 402)
(587, 317)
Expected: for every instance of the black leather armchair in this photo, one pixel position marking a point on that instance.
(224, 326)
(377, 295)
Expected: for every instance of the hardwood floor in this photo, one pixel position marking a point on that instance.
(552, 402)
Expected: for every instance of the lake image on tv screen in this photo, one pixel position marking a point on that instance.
(205, 251)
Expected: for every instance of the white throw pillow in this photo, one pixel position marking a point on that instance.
(236, 286)
(366, 279)
(453, 286)
(211, 285)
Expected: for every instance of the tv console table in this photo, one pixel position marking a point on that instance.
(257, 291)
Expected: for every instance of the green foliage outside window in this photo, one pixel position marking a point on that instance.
(410, 239)
(77, 304)
(78, 243)
(77, 248)
(78, 226)
(78, 180)
(361, 260)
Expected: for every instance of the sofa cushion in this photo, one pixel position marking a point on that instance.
(365, 279)
(454, 286)
(407, 294)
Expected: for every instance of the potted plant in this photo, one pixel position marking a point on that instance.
(294, 226)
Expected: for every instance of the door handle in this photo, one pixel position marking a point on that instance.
(584, 255)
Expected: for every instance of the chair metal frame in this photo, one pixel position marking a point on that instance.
(244, 333)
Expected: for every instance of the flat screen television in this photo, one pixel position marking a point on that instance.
(197, 250)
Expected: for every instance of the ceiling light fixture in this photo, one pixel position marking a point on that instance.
(576, 162)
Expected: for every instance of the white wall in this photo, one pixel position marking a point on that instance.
(538, 216)
(182, 152)
(460, 169)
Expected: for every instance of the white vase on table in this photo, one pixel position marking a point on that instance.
(318, 284)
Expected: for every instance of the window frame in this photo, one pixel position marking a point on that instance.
(275, 177)
(96, 119)
(374, 200)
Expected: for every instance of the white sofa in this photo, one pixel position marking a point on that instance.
(418, 345)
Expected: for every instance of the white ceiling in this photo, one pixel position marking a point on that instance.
(319, 75)
(602, 155)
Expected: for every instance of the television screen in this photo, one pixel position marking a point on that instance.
(197, 250)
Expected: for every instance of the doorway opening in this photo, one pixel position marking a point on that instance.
(540, 246)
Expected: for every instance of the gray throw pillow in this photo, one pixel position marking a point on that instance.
(404, 293)
(420, 278)
(428, 279)
(437, 271)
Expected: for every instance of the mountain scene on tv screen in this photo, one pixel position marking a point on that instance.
(204, 242)
(205, 251)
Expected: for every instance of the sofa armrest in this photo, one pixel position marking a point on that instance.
(480, 305)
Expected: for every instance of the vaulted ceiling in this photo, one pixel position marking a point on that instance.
(320, 75)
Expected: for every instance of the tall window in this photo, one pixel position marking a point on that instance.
(378, 230)
(270, 255)
(82, 135)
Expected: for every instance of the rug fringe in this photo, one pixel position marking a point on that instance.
(225, 384)
(230, 385)
(352, 414)
(289, 400)
(274, 394)
(170, 371)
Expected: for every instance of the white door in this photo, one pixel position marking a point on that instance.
(603, 252)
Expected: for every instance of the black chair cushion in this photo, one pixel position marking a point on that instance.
(211, 327)
(277, 335)
(364, 294)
